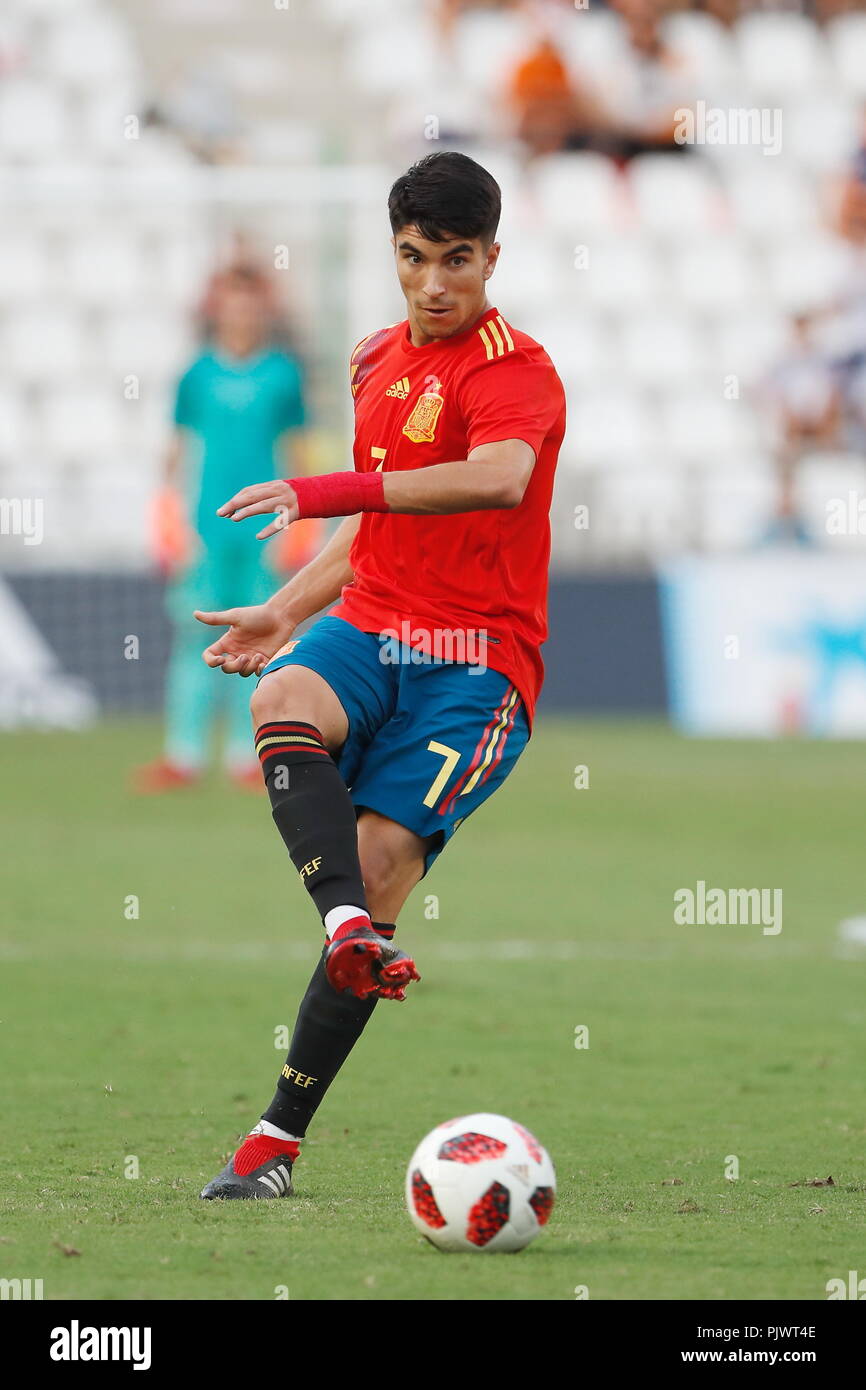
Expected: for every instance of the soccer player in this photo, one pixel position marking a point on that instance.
(392, 718)
(239, 409)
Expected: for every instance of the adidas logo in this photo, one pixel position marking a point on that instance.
(400, 389)
(278, 1180)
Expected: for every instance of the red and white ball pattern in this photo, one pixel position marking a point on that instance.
(480, 1182)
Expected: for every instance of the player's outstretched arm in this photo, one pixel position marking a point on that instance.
(493, 476)
(255, 634)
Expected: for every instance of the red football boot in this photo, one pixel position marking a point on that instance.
(249, 779)
(361, 961)
(162, 776)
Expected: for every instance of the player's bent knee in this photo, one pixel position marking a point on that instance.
(266, 704)
(296, 693)
(281, 696)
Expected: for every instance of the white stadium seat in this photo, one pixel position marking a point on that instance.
(846, 40)
(700, 426)
(80, 419)
(822, 135)
(106, 269)
(807, 272)
(771, 198)
(736, 502)
(107, 120)
(16, 423)
(283, 142)
(89, 47)
(705, 44)
(621, 273)
(33, 119)
(639, 510)
(23, 265)
(614, 427)
(183, 260)
(111, 516)
(146, 342)
(349, 13)
(579, 343)
(527, 275)
(592, 40)
(716, 273)
(43, 342)
(149, 426)
(50, 9)
(487, 46)
(579, 193)
(782, 55)
(747, 345)
(657, 348)
(675, 195)
(393, 57)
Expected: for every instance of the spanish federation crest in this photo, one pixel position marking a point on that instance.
(421, 425)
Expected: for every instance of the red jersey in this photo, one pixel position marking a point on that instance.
(473, 572)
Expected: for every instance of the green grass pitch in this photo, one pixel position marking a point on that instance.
(153, 1037)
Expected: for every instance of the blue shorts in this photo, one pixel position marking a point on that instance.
(429, 740)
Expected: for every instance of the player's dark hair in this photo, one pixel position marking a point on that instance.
(447, 195)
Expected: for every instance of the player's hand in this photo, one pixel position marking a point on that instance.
(260, 499)
(254, 634)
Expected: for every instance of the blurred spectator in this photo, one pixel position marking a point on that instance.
(549, 110)
(824, 10)
(199, 110)
(803, 393)
(727, 12)
(852, 201)
(238, 406)
(646, 88)
(552, 110)
(802, 388)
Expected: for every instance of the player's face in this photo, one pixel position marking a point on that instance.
(444, 282)
(239, 311)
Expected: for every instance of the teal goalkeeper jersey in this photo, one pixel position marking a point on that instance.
(234, 410)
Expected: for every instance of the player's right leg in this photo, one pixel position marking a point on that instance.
(300, 723)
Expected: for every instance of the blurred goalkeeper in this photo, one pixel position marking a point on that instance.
(238, 411)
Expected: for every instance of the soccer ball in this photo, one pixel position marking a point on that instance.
(480, 1182)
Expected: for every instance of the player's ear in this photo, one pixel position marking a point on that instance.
(492, 257)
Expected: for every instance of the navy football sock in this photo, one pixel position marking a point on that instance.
(313, 812)
(327, 1028)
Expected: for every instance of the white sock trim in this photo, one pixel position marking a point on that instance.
(272, 1132)
(338, 915)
